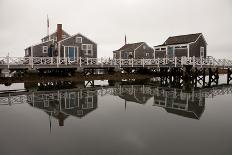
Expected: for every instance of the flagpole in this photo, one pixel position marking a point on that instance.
(48, 28)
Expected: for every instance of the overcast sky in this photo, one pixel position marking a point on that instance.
(23, 22)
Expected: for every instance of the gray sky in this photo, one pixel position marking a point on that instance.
(23, 22)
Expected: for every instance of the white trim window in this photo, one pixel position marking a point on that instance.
(78, 39)
(202, 51)
(88, 49)
(27, 52)
(45, 49)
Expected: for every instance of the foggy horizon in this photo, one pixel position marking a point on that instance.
(106, 22)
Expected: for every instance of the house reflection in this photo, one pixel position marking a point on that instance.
(62, 104)
(134, 93)
(181, 103)
(175, 101)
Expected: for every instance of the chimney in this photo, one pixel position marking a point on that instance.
(59, 32)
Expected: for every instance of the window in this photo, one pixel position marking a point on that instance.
(147, 54)
(45, 49)
(78, 39)
(157, 49)
(27, 52)
(163, 49)
(115, 55)
(88, 49)
(202, 51)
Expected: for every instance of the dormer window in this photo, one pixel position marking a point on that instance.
(45, 49)
(78, 39)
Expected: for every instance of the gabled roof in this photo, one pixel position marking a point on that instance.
(181, 39)
(54, 33)
(130, 47)
(78, 34)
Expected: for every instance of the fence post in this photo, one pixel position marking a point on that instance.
(57, 61)
(143, 62)
(158, 61)
(194, 62)
(201, 61)
(51, 60)
(101, 62)
(8, 60)
(32, 62)
(80, 62)
(87, 61)
(132, 62)
(175, 61)
(120, 62)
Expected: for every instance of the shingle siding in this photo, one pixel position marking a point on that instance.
(72, 42)
(194, 43)
(141, 52)
(194, 49)
(137, 51)
(38, 49)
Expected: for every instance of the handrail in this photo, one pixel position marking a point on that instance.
(158, 62)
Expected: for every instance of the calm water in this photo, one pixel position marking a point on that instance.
(119, 119)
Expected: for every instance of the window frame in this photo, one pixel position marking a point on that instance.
(81, 40)
(43, 49)
(86, 51)
(202, 51)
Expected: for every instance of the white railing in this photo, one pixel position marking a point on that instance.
(159, 62)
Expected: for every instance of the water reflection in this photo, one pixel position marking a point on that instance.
(78, 101)
(64, 103)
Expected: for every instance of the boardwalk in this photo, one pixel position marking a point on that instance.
(56, 62)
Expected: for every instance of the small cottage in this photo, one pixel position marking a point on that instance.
(61, 44)
(134, 50)
(184, 45)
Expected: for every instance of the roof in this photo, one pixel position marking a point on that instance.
(181, 39)
(54, 33)
(130, 47)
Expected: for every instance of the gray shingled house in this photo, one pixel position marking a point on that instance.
(61, 44)
(184, 45)
(135, 50)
